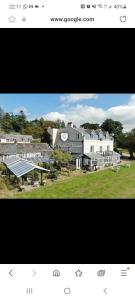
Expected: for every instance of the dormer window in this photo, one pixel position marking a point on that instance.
(77, 135)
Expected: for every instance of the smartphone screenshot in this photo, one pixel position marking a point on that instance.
(67, 14)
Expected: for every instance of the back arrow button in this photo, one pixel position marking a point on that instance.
(10, 273)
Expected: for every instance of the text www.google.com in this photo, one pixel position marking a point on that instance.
(75, 20)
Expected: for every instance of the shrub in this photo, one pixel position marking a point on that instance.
(47, 165)
(61, 158)
(65, 171)
(2, 184)
(36, 175)
(53, 174)
(2, 168)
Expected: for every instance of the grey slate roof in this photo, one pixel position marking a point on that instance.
(93, 155)
(81, 130)
(98, 134)
(116, 153)
(8, 148)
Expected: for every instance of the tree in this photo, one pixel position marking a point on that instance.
(130, 142)
(19, 122)
(6, 123)
(53, 174)
(1, 113)
(1, 116)
(46, 137)
(59, 124)
(48, 123)
(61, 158)
(91, 126)
(113, 127)
(122, 140)
(63, 124)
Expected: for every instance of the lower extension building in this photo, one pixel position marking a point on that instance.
(24, 150)
(89, 148)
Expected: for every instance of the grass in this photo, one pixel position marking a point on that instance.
(100, 184)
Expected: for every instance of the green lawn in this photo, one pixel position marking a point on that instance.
(100, 184)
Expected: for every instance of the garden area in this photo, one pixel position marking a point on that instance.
(64, 181)
(107, 183)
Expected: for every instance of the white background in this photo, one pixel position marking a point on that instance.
(46, 286)
(40, 18)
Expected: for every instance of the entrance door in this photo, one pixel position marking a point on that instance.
(78, 163)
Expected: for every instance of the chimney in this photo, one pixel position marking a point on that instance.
(70, 124)
(53, 133)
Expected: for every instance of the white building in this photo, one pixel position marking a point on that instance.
(88, 147)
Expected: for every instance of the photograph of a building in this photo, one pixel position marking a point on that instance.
(67, 145)
(88, 147)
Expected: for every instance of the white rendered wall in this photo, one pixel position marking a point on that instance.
(97, 144)
(53, 133)
(3, 140)
(54, 136)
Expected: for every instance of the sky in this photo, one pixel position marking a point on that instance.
(78, 108)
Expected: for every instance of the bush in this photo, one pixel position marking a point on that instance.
(36, 175)
(2, 184)
(61, 158)
(53, 174)
(72, 167)
(5, 184)
(2, 168)
(65, 171)
(47, 165)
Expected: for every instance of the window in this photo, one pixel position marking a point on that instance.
(77, 135)
(91, 148)
(108, 148)
(100, 149)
